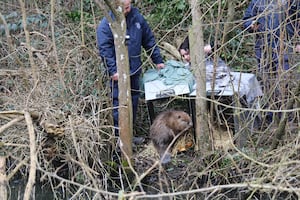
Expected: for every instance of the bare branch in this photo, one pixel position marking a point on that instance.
(33, 157)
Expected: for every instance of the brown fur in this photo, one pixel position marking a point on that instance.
(165, 127)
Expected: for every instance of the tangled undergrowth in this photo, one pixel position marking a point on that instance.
(67, 97)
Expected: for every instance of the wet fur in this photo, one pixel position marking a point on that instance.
(165, 127)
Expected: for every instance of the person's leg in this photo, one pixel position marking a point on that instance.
(258, 52)
(264, 59)
(286, 65)
(115, 101)
(116, 153)
(135, 94)
(278, 65)
(281, 91)
(135, 98)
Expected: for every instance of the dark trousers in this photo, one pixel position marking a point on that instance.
(135, 93)
(268, 68)
(267, 56)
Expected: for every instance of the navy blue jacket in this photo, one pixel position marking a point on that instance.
(140, 36)
(270, 16)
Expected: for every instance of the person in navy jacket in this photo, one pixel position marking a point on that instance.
(140, 35)
(276, 24)
(266, 18)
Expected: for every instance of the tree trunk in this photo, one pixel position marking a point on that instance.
(125, 103)
(118, 28)
(199, 68)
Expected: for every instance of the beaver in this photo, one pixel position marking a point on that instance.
(165, 127)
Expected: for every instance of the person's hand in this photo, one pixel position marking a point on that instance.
(115, 77)
(160, 66)
(207, 49)
(297, 48)
(254, 26)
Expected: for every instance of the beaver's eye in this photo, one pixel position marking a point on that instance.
(179, 116)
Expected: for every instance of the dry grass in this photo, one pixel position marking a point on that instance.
(74, 134)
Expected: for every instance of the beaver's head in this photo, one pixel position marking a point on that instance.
(180, 120)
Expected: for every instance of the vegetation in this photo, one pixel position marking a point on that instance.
(55, 110)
